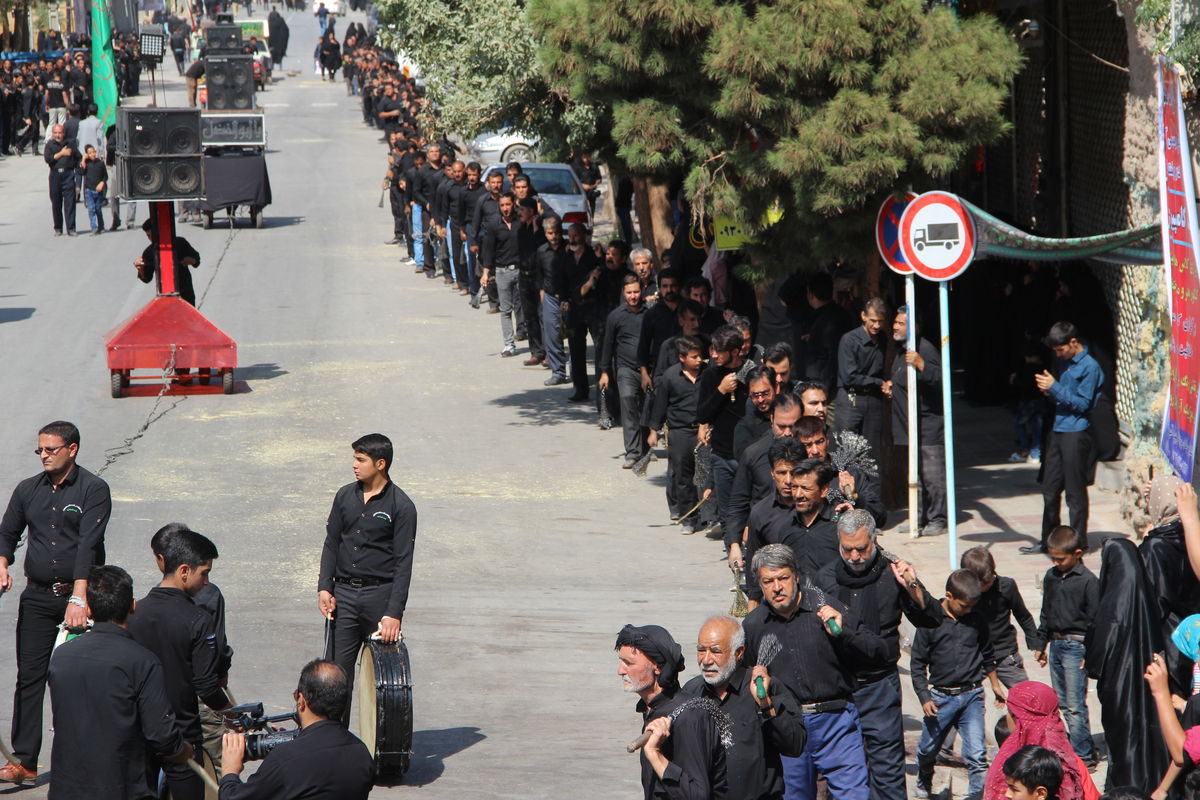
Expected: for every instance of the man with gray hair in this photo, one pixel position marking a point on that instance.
(765, 726)
(820, 638)
(879, 588)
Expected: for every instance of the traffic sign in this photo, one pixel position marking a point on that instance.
(887, 232)
(937, 236)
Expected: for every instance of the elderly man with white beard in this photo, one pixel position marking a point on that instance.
(764, 728)
(878, 588)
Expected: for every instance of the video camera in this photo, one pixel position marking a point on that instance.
(261, 739)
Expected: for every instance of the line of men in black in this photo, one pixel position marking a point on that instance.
(142, 689)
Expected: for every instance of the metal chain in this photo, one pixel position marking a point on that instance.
(126, 447)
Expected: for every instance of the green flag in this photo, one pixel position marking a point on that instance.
(104, 76)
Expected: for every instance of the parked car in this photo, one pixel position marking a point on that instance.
(334, 7)
(558, 187)
(503, 146)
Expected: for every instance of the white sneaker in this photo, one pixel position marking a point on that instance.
(1016, 458)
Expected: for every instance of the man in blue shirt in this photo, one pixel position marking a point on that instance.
(1068, 453)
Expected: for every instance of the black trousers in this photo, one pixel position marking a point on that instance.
(182, 781)
(865, 416)
(629, 391)
(356, 618)
(399, 214)
(1067, 460)
(577, 342)
(883, 736)
(37, 625)
(681, 471)
(62, 199)
(531, 304)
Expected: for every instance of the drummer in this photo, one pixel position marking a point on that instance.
(366, 564)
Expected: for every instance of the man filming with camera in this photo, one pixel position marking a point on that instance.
(324, 762)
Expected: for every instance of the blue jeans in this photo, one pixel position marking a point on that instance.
(1071, 684)
(94, 201)
(551, 335)
(966, 712)
(454, 251)
(1027, 425)
(472, 258)
(835, 750)
(418, 231)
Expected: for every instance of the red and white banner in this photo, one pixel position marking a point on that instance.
(1177, 192)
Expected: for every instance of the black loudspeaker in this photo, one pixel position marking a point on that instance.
(223, 40)
(230, 82)
(160, 153)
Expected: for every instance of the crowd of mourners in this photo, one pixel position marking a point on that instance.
(776, 450)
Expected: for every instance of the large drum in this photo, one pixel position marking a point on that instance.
(385, 720)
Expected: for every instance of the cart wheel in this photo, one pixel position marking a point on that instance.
(256, 217)
(114, 380)
(207, 220)
(124, 379)
(205, 376)
(227, 381)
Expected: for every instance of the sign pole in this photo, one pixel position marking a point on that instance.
(948, 416)
(914, 486)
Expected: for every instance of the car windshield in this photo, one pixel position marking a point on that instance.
(549, 180)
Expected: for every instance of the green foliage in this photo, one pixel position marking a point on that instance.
(821, 106)
(478, 60)
(1156, 15)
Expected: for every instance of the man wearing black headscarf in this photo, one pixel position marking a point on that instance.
(683, 759)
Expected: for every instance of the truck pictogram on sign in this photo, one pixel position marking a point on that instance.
(946, 234)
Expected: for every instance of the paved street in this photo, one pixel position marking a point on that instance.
(533, 548)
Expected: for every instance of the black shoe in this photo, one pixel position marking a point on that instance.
(393, 240)
(1033, 550)
(578, 397)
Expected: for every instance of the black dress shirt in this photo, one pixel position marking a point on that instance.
(67, 163)
(551, 268)
(454, 204)
(722, 411)
(374, 539)
(674, 400)
(487, 210)
(660, 323)
(1069, 601)
(181, 634)
(425, 183)
(820, 355)
(501, 247)
(180, 249)
(111, 711)
(995, 605)
(951, 655)
(753, 768)
(668, 356)
(468, 201)
(860, 362)
(815, 544)
(768, 522)
(753, 480)
(812, 662)
(752, 427)
(879, 602)
(622, 330)
(697, 768)
(929, 396)
(440, 208)
(66, 525)
(211, 600)
(324, 762)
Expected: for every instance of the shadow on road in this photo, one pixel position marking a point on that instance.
(431, 748)
(543, 406)
(260, 372)
(15, 314)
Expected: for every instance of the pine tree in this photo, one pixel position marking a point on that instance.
(819, 108)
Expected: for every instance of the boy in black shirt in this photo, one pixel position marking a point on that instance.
(169, 624)
(1070, 597)
(720, 404)
(95, 182)
(675, 404)
(947, 668)
(999, 603)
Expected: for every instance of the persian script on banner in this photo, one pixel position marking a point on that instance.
(1177, 192)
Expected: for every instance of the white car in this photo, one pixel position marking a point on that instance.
(503, 146)
(334, 7)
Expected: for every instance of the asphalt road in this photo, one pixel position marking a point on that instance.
(533, 547)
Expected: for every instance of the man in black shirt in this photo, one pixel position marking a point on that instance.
(675, 405)
(366, 563)
(62, 156)
(764, 727)
(183, 256)
(500, 256)
(659, 325)
(720, 404)
(819, 344)
(487, 209)
(66, 510)
(169, 624)
(879, 590)
(760, 383)
(771, 518)
(551, 267)
(463, 214)
(684, 758)
(589, 176)
(584, 271)
(930, 433)
(622, 330)
(324, 762)
(814, 662)
(860, 405)
(108, 695)
(529, 281)
(858, 489)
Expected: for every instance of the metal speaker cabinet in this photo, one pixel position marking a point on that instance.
(158, 131)
(230, 82)
(223, 39)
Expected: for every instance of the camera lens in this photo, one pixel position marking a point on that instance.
(258, 745)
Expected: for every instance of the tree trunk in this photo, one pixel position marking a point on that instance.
(656, 223)
(21, 26)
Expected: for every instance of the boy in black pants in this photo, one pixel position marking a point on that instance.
(1070, 596)
(947, 668)
(675, 404)
(169, 624)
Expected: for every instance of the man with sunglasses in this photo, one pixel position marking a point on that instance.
(65, 508)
